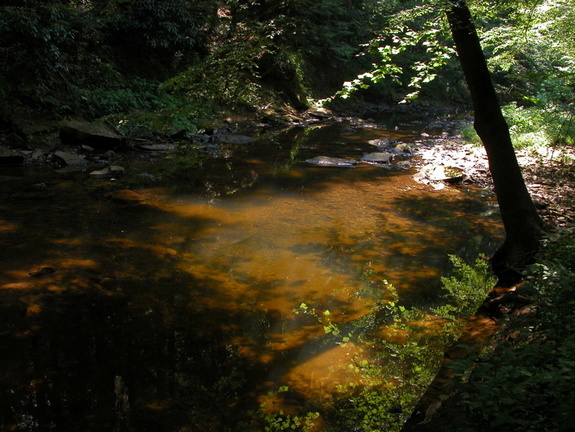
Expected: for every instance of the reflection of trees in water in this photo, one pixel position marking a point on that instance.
(178, 369)
(181, 369)
(179, 363)
(189, 363)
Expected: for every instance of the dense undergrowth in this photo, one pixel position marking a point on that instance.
(524, 380)
(538, 130)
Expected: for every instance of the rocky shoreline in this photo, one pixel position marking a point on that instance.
(438, 159)
(80, 144)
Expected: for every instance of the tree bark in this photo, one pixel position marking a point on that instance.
(523, 226)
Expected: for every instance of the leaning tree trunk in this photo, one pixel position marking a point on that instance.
(523, 226)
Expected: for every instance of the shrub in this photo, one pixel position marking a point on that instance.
(525, 381)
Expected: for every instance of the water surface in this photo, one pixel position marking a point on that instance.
(255, 291)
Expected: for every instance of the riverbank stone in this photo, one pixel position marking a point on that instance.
(97, 136)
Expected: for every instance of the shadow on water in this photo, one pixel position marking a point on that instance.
(183, 311)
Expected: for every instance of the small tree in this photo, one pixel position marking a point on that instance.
(523, 226)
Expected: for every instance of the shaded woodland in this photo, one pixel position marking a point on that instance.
(151, 69)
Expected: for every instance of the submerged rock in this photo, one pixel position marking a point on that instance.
(331, 161)
(231, 139)
(126, 196)
(403, 165)
(156, 147)
(377, 158)
(42, 271)
(108, 172)
(383, 142)
(390, 145)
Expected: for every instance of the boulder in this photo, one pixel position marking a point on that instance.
(382, 142)
(26, 123)
(403, 165)
(319, 113)
(97, 136)
(9, 157)
(403, 148)
(70, 158)
(446, 174)
(391, 146)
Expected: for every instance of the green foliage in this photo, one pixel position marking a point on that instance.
(525, 382)
(466, 288)
(328, 35)
(71, 57)
(412, 51)
(121, 97)
(531, 52)
(393, 371)
(536, 129)
(371, 408)
(148, 113)
(532, 55)
(81, 57)
(37, 43)
(150, 38)
(539, 128)
(278, 421)
(469, 134)
(227, 77)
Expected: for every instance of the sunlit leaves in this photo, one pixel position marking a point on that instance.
(410, 50)
(227, 76)
(534, 48)
(465, 289)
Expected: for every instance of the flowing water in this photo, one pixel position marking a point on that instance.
(255, 293)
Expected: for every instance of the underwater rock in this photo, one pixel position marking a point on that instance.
(331, 161)
(108, 172)
(377, 158)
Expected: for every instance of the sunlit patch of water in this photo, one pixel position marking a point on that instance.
(277, 275)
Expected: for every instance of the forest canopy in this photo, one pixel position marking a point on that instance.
(100, 57)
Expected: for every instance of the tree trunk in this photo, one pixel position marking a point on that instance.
(523, 226)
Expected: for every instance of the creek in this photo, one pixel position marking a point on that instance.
(256, 292)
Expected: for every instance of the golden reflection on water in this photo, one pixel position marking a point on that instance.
(6, 226)
(272, 250)
(275, 268)
(320, 377)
